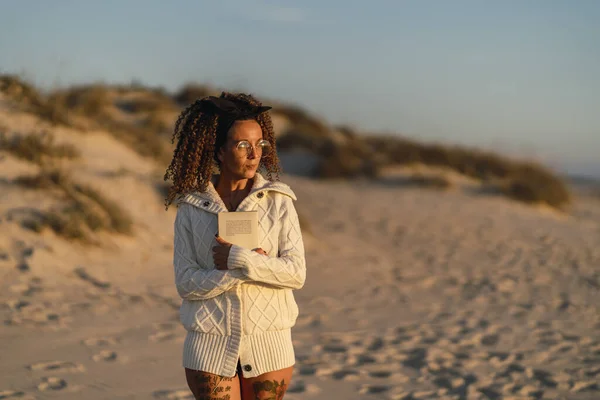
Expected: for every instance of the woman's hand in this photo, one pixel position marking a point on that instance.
(260, 251)
(221, 253)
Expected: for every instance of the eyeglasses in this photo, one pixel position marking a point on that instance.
(244, 148)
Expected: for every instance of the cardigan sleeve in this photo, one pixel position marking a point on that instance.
(288, 270)
(193, 281)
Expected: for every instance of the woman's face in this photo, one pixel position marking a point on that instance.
(238, 162)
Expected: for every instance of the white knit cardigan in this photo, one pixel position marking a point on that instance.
(247, 311)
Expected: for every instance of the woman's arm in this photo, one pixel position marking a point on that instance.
(288, 270)
(192, 281)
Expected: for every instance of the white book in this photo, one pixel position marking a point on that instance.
(239, 227)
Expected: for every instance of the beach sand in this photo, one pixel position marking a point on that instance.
(411, 293)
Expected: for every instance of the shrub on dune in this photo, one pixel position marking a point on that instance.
(85, 210)
(534, 184)
(36, 147)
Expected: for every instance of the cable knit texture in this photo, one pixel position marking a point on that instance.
(247, 311)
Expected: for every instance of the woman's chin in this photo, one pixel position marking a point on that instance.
(249, 173)
(245, 173)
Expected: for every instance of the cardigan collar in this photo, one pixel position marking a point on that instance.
(211, 201)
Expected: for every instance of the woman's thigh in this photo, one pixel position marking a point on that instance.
(268, 386)
(207, 386)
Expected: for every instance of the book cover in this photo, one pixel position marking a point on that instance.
(239, 227)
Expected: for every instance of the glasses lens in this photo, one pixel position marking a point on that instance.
(264, 147)
(243, 147)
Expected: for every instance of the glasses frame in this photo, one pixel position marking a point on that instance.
(252, 148)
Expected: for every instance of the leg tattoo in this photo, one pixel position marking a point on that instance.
(269, 390)
(208, 387)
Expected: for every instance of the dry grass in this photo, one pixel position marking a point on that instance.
(88, 100)
(37, 147)
(302, 122)
(439, 182)
(365, 156)
(348, 161)
(295, 139)
(355, 156)
(534, 184)
(151, 103)
(32, 100)
(470, 162)
(524, 181)
(92, 101)
(190, 93)
(85, 210)
(143, 141)
(156, 123)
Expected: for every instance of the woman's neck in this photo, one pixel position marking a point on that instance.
(227, 184)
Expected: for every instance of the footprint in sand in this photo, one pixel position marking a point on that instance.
(380, 374)
(311, 321)
(338, 373)
(105, 355)
(13, 394)
(162, 336)
(100, 342)
(166, 326)
(57, 367)
(52, 383)
(182, 394)
(335, 348)
(84, 275)
(165, 331)
(360, 359)
(307, 370)
(374, 389)
(300, 387)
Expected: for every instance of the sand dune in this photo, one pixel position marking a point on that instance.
(411, 293)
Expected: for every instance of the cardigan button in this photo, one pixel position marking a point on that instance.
(247, 367)
(206, 203)
(260, 195)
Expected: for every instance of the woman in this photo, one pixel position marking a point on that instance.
(238, 306)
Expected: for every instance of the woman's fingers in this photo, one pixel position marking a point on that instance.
(220, 263)
(222, 241)
(260, 251)
(220, 256)
(221, 253)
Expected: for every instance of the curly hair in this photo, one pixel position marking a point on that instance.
(200, 136)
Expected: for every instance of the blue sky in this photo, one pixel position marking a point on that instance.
(516, 76)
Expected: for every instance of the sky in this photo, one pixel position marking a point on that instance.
(520, 77)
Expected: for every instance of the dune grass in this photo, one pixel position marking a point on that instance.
(190, 93)
(36, 147)
(438, 182)
(524, 181)
(84, 211)
(353, 156)
(28, 97)
(302, 122)
(537, 185)
(365, 156)
(87, 100)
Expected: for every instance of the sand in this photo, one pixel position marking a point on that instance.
(411, 293)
